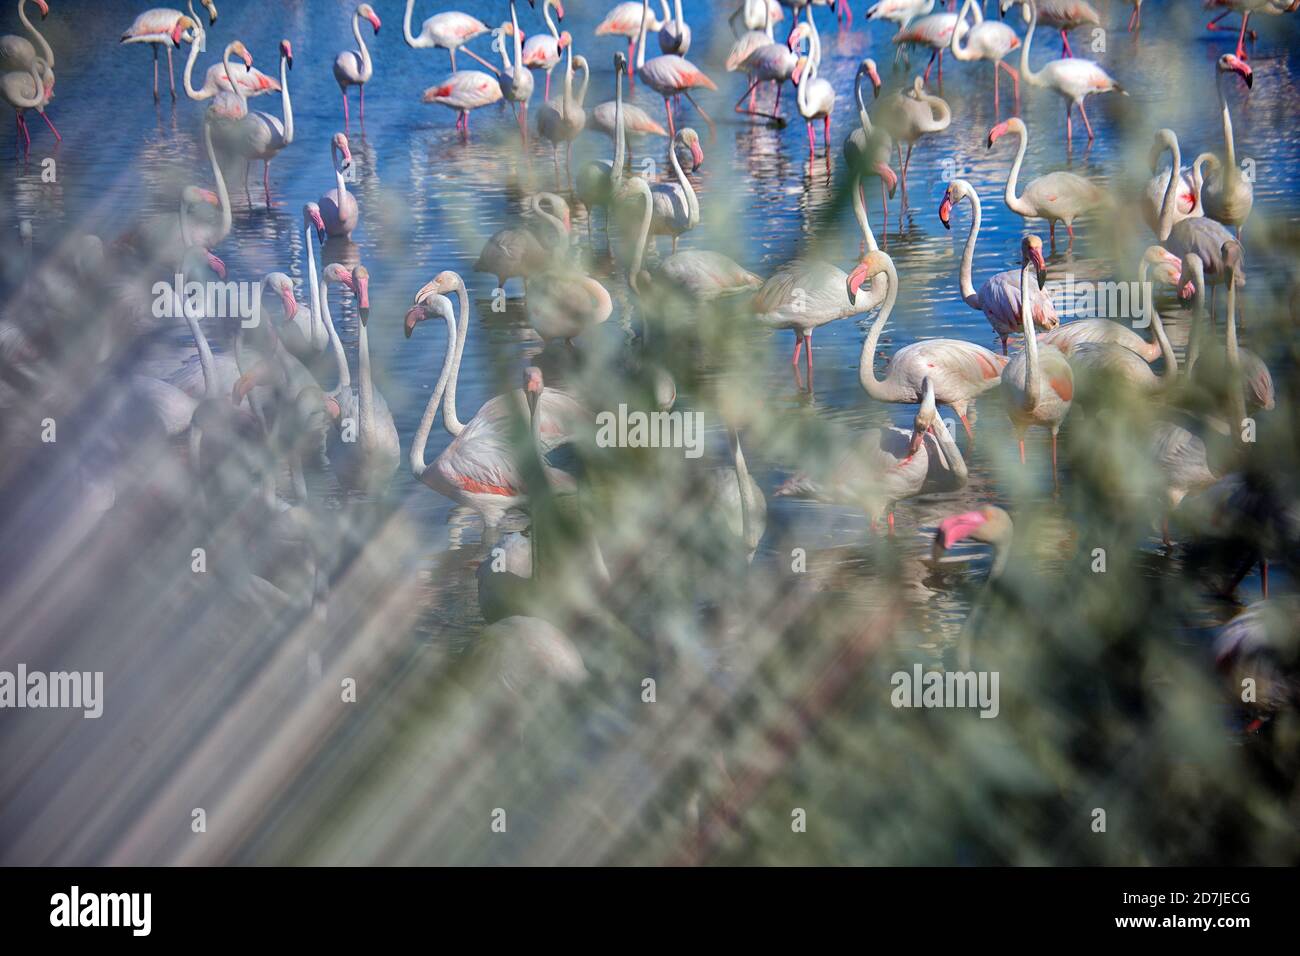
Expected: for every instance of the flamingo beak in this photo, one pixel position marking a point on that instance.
(290, 303)
(559, 9)
(855, 280)
(957, 527)
(319, 223)
(374, 20)
(887, 174)
(1248, 75)
(918, 438)
(44, 8)
(362, 284)
(1188, 290)
(209, 197)
(697, 154)
(243, 385)
(945, 212)
(875, 81)
(216, 265)
(176, 34)
(332, 408)
(288, 53)
(1040, 267)
(414, 315)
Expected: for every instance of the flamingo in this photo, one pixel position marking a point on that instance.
(230, 104)
(543, 51)
(1258, 645)
(1182, 461)
(999, 297)
(669, 75)
(515, 79)
(773, 62)
(843, 12)
(866, 149)
(518, 251)
(17, 53)
(1063, 15)
(1231, 363)
(988, 40)
(1246, 8)
(909, 116)
(636, 122)
(624, 20)
(463, 91)
(901, 12)
(934, 31)
(598, 181)
(1073, 78)
(1227, 193)
(675, 34)
(808, 293)
(1056, 197)
(1038, 387)
(701, 275)
(958, 371)
(307, 336)
(365, 461)
(338, 207)
(354, 67)
(265, 135)
(887, 465)
(449, 30)
(987, 524)
(480, 469)
(1187, 200)
(752, 14)
(676, 207)
(562, 303)
(250, 80)
(24, 91)
(1135, 18)
(163, 26)
(565, 123)
(816, 96)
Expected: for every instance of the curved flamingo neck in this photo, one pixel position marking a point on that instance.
(643, 238)
(336, 344)
(747, 502)
(449, 418)
(692, 202)
(223, 196)
(1157, 325)
(47, 53)
(954, 45)
(640, 43)
(1016, 203)
(1169, 201)
(362, 48)
(235, 88)
(286, 104)
(1025, 71)
(1193, 261)
(187, 78)
(411, 39)
(967, 282)
(1230, 342)
(339, 182)
(421, 439)
(860, 213)
(550, 24)
(1229, 143)
(1033, 376)
(884, 390)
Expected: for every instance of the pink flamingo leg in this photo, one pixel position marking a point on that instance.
(451, 51)
(546, 97)
(997, 75)
(826, 135)
(1021, 443)
(345, 107)
(884, 201)
(890, 521)
(1056, 481)
(928, 66)
(266, 181)
(1065, 45)
(362, 90)
(808, 341)
(811, 149)
(48, 122)
(1132, 17)
(798, 349)
(156, 97)
(1015, 79)
(1069, 125)
(1069, 229)
(631, 48)
(1083, 111)
(1241, 37)
(171, 74)
(668, 107)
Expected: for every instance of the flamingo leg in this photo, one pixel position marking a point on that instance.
(1004, 352)
(941, 68)
(713, 131)
(776, 110)
(798, 349)
(966, 425)
(1065, 45)
(171, 73)
(884, 201)
(452, 53)
(248, 196)
(156, 97)
(997, 75)
(471, 53)
(1069, 229)
(345, 108)
(906, 164)
(50, 123)
(826, 134)
(631, 49)
(890, 522)
(1015, 80)
(362, 91)
(811, 149)
(807, 337)
(929, 65)
(1263, 576)
(266, 181)
(1133, 17)
(1056, 481)
(1069, 125)
(22, 126)
(1021, 443)
(750, 93)
(1241, 37)
(546, 96)
(1083, 111)
(1051, 232)
(668, 107)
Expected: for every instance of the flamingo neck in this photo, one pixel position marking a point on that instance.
(366, 389)
(1025, 72)
(1168, 203)
(864, 119)
(550, 24)
(1234, 354)
(954, 45)
(449, 419)
(640, 42)
(223, 196)
(421, 439)
(1229, 144)
(643, 188)
(1016, 203)
(47, 54)
(968, 292)
(1198, 311)
(620, 137)
(286, 104)
(362, 48)
(747, 502)
(339, 182)
(411, 39)
(881, 390)
(692, 202)
(188, 77)
(518, 38)
(864, 223)
(1033, 384)
(1157, 325)
(235, 88)
(322, 296)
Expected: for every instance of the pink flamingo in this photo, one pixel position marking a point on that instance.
(463, 91)
(992, 41)
(1064, 15)
(907, 116)
(339, 207)
(163, 26)
(515, 79)
(669, 75)
(24, 91)
(354, 67)
(17, 53)
(250, 80)
(543, 51)
(999, 297)
(449, 30)
(866, 149)
(987, 524)
(934, 31)
(958, 371)
(624, 20)
(1056, 197)
(1038, 387)
(1246, 8)
(770, 61)
(816, 96)
(480, 468)
(265, 135)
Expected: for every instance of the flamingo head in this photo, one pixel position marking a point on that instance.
(1187, 278)
(1232, 255)
(340, 142)
(566, 38)
(332, 408)
(620, 63)
(888, 176)
(286, 51)
(926, 417)
(533, 385)
(989, 524)
(241, 51)
(691, 140)
(311, 216)
(1031, 250)
(365, 10)
(215, 263)
(1231, 63)
(997, 132)
(800, 68)
(797, 36)
(361, 286)
(179, 31)
(282, 285)
(43, 7)
(212, 11)
(559, 8)
(260, 374)
(868, 68)
(954, 194)
(428, 304)
(868, 266)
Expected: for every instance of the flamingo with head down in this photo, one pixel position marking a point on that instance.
(355, 67)
(463, 91)
(338, 207)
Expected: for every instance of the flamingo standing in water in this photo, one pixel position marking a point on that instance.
(1227, 193)
(354, 67)
(480, 469)
(907, 116)
(988, 40)
(1038, 386)
(163, 27)
(515, 79)
(624, 20)
(17, 55)
(339, 207)
(25, 91)
(866, 149)
(565, 123)
(463, 91)
(901, 12)
(669, 75)
(265, 135)
(887, 465)
(449, 30)
(1073, 78)
(1056, 197)
(934, 31)
(958, 371)
(999, 297)
(250, 80)
(1246, 8)
(1063, 15)
(768, 61)
(816, 96)
(543, 51)
(1187, 201)
(807, 293)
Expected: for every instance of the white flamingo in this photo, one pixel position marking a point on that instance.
(816, 96)
(265, 135)
(449, 30)
(515, 79)
(463, 91)
(675, 34)
(543, 51)
(163, 26)
(624, 20)
(988, 40)
(355, 67)
(338, 207)
(1228, 193)
(670, 75)
(250, 80)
